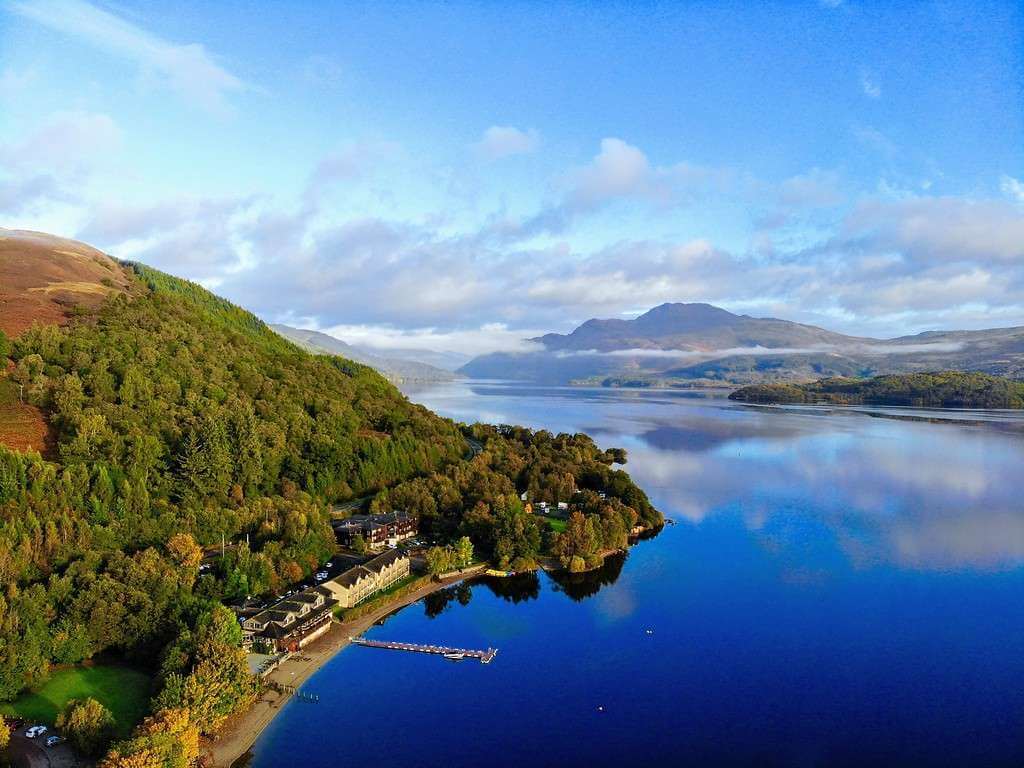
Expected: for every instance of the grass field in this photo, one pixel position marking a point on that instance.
(122, 690)
(557, 523)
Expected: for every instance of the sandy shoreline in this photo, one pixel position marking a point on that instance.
(241, 731)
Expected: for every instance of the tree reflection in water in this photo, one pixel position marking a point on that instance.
(526, 586)
(437, 603)
(514, 589)
(579, 586)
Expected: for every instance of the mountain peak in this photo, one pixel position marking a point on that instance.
(680, 316)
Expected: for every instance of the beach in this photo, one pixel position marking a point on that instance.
(241, 731)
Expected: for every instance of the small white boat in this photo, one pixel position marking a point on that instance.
(455, 656)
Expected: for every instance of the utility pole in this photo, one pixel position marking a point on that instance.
(222, 545)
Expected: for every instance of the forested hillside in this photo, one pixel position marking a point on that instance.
(946, 389)
(177, 421)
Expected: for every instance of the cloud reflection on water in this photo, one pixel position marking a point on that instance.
(914, 495)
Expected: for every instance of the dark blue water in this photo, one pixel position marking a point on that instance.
(840, 589)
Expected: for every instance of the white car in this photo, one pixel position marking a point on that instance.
(35, 730)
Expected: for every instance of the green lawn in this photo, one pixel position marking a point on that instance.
(122, 690)
(557, 523)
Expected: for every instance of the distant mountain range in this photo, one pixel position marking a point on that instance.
(398, 368)
(695, 344)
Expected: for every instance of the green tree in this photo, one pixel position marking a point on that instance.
(439, 560)
(463, 552)
(88, 725)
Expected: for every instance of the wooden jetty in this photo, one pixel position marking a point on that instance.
(484, 657)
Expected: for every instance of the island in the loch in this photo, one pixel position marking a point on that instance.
(941, 389)
(171, 469)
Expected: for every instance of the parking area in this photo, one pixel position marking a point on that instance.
(33, 753)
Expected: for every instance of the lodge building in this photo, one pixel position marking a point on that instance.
(292, 622)
(297, 619)
(357, 584)
(384, 530)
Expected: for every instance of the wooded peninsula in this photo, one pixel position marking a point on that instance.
(943, 389)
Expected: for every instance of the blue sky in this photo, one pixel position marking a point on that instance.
(462, 175)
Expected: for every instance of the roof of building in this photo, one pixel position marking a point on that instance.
(277, 631)
(349, 523)
(381, 562)
(262, 617)
(352, 576)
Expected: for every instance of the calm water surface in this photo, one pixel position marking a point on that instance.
(841, 588)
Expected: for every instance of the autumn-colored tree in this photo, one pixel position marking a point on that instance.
(206, 672)
(168, 739)
(185, 552)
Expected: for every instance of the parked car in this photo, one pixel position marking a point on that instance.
(53, 741)
(35, 730)
(14, 723)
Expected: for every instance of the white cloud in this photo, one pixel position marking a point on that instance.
(44, 174)
(197, 238)
(816, 188)
(888, 265)
(187, 69)
(501, 141)
(65, 142)
(27, 194)
(347, 164)
(618, 170)
(489, 337)
(869, 85)
(931, 230)
(1012, 188)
